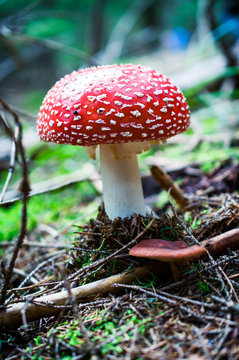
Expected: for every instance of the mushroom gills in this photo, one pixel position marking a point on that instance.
(119, 151)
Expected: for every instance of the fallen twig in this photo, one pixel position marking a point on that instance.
(32, 273)
(228, 239)
(12, 316)
(50, 305)
(87, 172)
(206, 247)
(166, 182)
(24, 189)
(198, 316)
(100, 262)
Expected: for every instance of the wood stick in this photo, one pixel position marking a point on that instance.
(229, 239)
(166, 182)
(87, 172)
(12, 317)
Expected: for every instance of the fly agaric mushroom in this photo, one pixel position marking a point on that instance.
(122, 108)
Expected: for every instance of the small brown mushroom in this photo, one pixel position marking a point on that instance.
(173, 252)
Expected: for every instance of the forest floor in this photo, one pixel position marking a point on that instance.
(152, 317)
(69, 288)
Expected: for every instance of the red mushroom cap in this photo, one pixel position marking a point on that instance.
(112, 104)
(167, 251)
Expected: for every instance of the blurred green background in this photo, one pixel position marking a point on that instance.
(195, 43)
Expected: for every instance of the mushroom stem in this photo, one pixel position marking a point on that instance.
(122, 188)
(175, 271)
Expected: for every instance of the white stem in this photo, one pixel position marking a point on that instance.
(122, 188)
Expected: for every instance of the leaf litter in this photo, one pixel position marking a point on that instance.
(195, 318)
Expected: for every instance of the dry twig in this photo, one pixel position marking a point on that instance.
(24, 189)
(166, 182)
(41, 307)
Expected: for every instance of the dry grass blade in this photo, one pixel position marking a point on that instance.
(12, 163)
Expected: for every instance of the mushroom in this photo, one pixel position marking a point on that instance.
(179, 253)
(123, 109)
(173, 252)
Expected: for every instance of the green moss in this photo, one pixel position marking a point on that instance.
(57, 208)
(204, 287)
